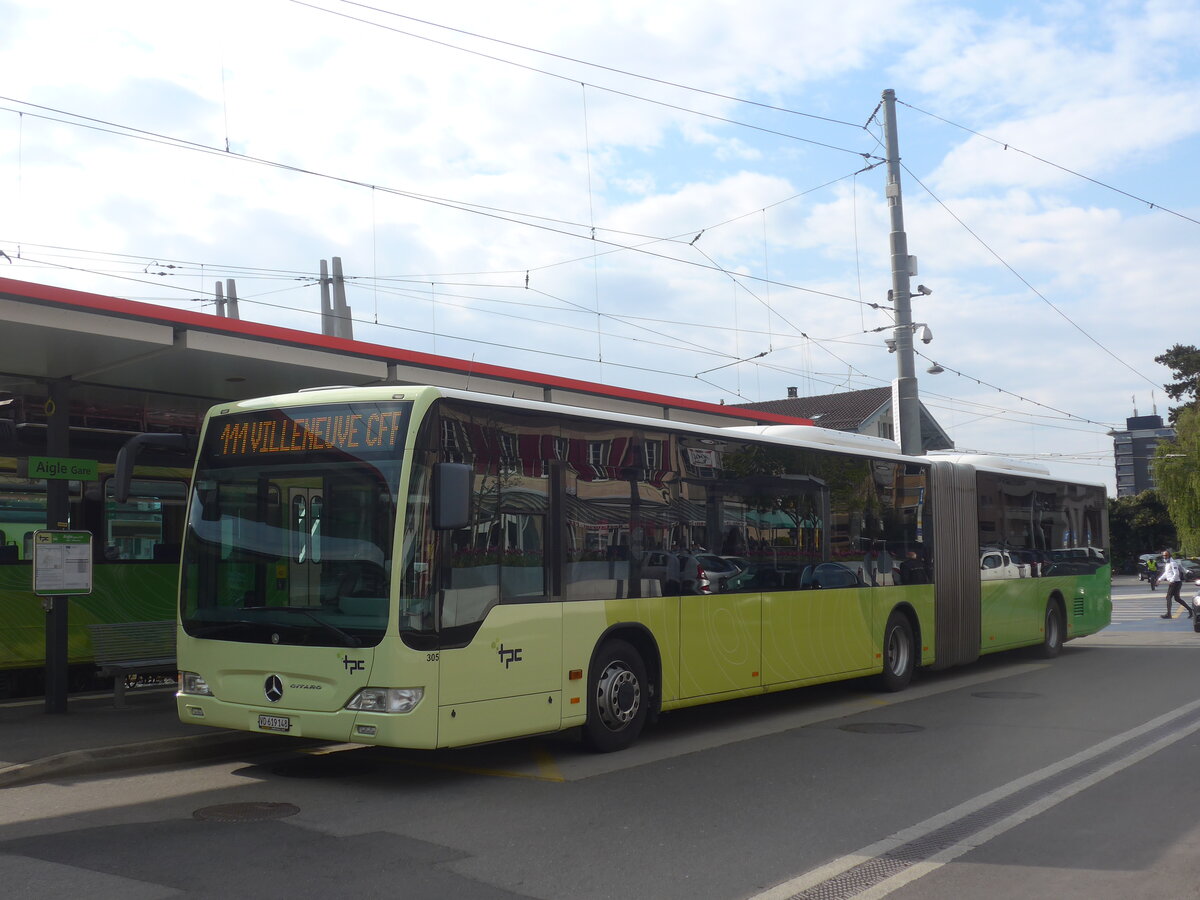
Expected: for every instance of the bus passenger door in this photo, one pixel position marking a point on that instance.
(500, 669)
(305, 509)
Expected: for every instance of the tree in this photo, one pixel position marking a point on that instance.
(1138, 525)
(1177, 475)
(1184, 363)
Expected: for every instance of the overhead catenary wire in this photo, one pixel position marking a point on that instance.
(584, 232)
(1007, 146)
(305, 280)
(605, 68)
(1026, 281)
(724, 271)
(679, 345)
(598, 87)
(983, 383)
(718, 267)
(392, 285)
(996, 412)
(955, 404)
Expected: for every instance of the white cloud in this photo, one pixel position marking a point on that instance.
(1103, 89)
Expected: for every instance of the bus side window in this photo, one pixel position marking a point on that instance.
(472, 585)
(522, 556)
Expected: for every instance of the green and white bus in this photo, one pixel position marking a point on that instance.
(425, 568)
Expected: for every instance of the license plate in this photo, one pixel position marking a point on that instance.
(274, 723)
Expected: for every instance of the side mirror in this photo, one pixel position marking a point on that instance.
(127, 456)
(452, 484)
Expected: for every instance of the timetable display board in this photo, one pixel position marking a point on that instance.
(62, 563)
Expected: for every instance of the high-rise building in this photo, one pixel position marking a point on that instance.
(1133, 449)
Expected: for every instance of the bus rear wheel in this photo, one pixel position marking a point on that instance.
(1052, 633)
(899, 654)
(618, 698)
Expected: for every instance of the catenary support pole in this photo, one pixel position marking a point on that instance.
(905, 402)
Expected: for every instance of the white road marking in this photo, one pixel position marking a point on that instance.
(818, 876)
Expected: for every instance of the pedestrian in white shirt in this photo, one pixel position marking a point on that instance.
(1172, 573)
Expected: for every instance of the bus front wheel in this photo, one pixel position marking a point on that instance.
(618, 698)
(899, 654)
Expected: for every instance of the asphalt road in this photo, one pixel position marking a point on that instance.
(1008, 778)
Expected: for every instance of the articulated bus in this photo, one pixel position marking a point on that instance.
(425, 568)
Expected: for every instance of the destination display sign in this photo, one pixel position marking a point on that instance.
(354, 429)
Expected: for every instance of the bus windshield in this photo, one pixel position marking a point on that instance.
(290, 529)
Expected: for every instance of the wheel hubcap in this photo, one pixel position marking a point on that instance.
(898, 651)
(618, 696)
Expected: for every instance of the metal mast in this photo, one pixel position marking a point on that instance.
(905, 403)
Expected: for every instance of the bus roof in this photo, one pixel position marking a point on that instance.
(808, 436)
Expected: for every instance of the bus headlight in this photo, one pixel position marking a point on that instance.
(386, 700)
(192, 683)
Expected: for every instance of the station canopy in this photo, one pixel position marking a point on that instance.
(133, 367)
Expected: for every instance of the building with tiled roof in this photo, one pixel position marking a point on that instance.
(862, 412)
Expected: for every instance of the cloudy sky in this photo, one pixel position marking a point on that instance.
(679, 197)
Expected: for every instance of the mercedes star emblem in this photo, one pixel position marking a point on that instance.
(273, 688)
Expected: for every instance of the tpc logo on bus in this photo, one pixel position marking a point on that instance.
(509, 656)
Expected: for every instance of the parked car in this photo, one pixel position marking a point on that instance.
(765, 576)
(740, 561)
(655, 564)
(995, 564)
(829, 575)
(705, 573)
(682, 572)
(1038, 561)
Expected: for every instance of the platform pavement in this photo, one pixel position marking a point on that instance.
(93, 736)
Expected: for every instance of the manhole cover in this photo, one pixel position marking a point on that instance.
(881, 728)
(1006, 695)
(246, 812)
(324, 765)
